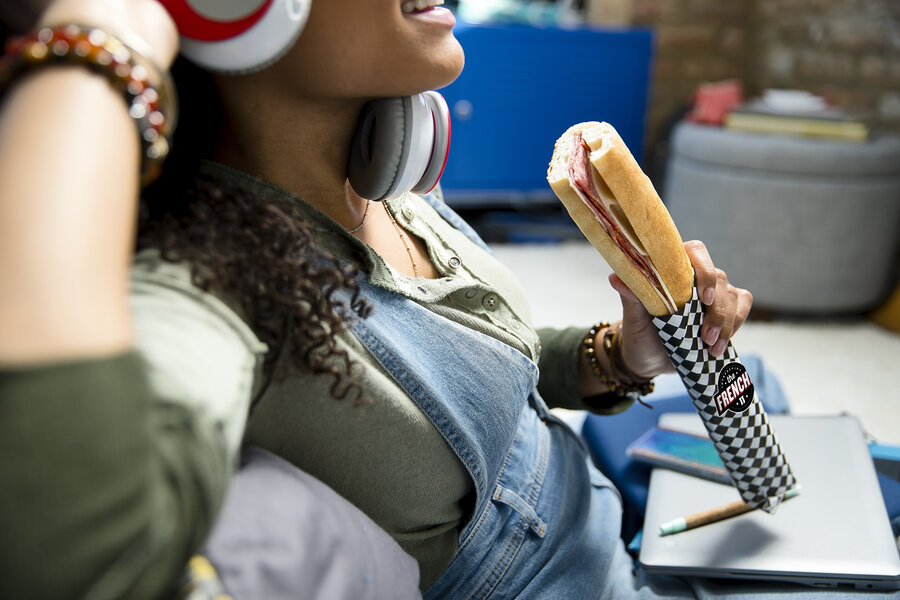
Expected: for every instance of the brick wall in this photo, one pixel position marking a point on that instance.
(697, 41)
(846, 50)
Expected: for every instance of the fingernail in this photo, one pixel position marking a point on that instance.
(712, 335)
(719, 347)
(709, 295)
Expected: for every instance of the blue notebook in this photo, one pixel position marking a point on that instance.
(692, 454)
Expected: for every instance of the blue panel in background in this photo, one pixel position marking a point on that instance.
(522, 87)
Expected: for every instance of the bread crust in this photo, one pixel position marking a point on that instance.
(641, 205)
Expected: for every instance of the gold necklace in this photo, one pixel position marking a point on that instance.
(402, 239)
(365, 214)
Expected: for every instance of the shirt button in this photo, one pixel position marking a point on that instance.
(407, 211)
(454, 262)
(514, 324)
(471, 293)
(491, 301)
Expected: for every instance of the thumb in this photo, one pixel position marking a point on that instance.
(635, 318)
(630, 302)
(641, 348)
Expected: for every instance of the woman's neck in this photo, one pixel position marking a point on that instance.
(300, 145)
(303, 146)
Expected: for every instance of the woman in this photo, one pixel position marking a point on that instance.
(443, 436)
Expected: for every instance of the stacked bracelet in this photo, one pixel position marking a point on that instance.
(148, 91)
(619, 380)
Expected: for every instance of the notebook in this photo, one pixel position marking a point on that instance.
(835, 533)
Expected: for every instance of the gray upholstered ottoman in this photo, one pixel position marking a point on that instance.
(808, 225)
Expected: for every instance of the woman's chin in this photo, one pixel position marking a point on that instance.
(447, 69)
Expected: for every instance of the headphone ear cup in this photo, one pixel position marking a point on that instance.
(380, 147)
(400, 145)
(242, 36)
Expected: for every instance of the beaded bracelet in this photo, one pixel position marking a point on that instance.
(619, 380)
(149, 92)
(612, 345)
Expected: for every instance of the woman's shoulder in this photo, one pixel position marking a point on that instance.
(199, 352)
(156, 282)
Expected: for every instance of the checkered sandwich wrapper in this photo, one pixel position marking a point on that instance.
(729, 408)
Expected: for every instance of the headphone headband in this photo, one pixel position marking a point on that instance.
(207, 26)
(237, 36)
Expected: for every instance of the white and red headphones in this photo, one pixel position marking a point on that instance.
(401, 144)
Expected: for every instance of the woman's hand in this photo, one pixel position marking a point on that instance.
(727, 308)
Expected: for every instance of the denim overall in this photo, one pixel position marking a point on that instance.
(545, 523)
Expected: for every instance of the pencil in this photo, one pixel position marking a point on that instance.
(713, 515)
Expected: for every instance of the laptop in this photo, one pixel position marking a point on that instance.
(835, 533)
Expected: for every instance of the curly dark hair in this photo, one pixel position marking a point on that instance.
(257, 252)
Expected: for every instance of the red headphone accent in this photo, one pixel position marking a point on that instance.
(446, 148)
(194, 25)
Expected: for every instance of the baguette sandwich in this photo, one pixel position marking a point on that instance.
(614, 204)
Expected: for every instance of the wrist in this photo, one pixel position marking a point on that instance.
(603, 352)
(143, 25)
(148, 91)
(634, 366)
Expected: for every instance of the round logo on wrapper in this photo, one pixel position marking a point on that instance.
(734, 389)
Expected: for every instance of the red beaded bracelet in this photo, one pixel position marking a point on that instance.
(149, 92)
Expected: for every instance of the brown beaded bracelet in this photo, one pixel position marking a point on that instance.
(149, 92)
(612, 345)
(619, 380)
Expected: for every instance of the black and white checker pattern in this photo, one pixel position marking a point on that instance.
(745, 440)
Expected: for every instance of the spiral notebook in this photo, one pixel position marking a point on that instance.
(836, 533)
